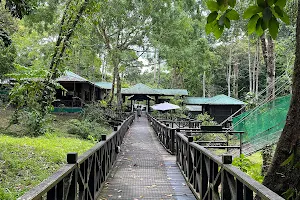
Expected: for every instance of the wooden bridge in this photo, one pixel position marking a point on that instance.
(149, 160)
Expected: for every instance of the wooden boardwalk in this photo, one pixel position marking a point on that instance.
(144, 170)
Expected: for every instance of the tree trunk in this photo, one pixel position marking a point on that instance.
(257, 70)
(155, 61)
(281, 178)
(268, 54)
(250, 73)
(158, 82)
(103, 67)
(235, 80)
(253, 74)
(229, 73)
(203, 82)
(119, 95)
(113, 87)
(271, 69)
(115, 62)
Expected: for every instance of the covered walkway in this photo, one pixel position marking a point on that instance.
(144, 170)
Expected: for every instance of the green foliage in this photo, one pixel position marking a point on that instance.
(289, 160)
(87, 129)
(177, 100)
(7, 26)
(253, 169)
(206, 119)
(31, 46)
(7, 50)
(222, 13)
(34, 122)
(7, 57)
(242, 162)
(250, 101)
(291, 194)
(92, 124)
(32, 95)
(264, 15)
(94, 112)
(103, 104)
(20, 8)
(25, 162)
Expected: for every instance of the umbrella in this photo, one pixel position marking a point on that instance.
(165, 106)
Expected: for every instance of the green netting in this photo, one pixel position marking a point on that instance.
(263, 121)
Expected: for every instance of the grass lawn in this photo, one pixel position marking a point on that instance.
(25, 161)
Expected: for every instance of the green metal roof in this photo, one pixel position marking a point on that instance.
(140, 89)
(224, 100)
(144, 89)
(195, 100)
(69, 76)
(173, 92)
(104, 85)
(216, 100)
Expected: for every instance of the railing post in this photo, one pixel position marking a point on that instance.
(225, 195)
(226, 159)
(172, 135)
(103, 137)
(72, 159)
(177, 146)
(189, 158)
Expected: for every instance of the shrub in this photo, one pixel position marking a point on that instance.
(251, 168)
(94, 113)
(206, 119)
(87, 130)
(34, 122)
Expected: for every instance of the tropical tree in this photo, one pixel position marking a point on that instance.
(264, 15)
(122, 26)
(43, 96)
(7, 51)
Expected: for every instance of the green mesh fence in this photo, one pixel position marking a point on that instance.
(263, 121)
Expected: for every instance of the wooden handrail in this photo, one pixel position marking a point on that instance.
(85, 176)
(165, 134)
(208, 175)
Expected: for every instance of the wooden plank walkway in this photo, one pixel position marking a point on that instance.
(144, 170)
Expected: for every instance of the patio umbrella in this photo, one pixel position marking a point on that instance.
(165, 106)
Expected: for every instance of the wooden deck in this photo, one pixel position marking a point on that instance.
(144, 170)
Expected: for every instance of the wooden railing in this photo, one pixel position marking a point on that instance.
(182, 123)
(228, 139)
(84, 177)
(210, 176)
(165, 134)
